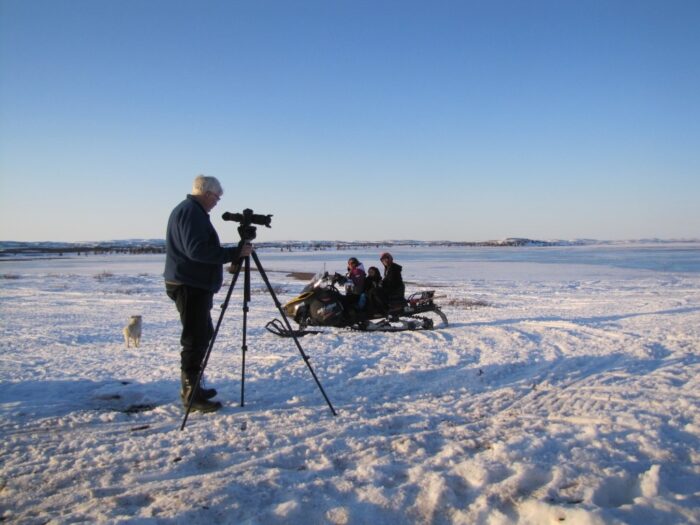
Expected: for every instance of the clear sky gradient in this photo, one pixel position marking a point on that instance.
(459, 120)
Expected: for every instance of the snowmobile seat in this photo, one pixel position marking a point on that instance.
(396, 306)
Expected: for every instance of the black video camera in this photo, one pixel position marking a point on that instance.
(247, 219)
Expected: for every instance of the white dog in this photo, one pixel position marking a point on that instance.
(132, 331)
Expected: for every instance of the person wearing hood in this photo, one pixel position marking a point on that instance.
(355, 285)
(374, 278)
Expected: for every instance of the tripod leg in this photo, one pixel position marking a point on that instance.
(224, 306)
(244, 344)
(289, 327)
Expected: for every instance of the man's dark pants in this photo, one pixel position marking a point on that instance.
(194, 306)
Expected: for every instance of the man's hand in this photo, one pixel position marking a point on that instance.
(246, 249)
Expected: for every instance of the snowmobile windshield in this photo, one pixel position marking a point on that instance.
(316, 281)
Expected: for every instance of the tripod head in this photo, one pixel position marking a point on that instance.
(246, 230)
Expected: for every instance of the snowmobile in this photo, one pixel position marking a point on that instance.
(322, 304)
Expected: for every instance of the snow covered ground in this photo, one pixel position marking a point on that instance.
(560, 393)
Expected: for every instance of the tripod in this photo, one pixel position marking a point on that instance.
(245, 262)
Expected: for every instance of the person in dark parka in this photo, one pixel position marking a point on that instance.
(392, 283)
(391, 288)
(374, 278)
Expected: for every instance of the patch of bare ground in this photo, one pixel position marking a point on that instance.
(465, 303)
(301, 276)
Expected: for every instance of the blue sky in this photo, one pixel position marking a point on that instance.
(460, 120)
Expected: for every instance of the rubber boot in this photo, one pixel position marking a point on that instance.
(206, 393)
(199, 403)
(202, 393)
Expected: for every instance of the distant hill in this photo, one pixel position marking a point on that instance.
(133, 246)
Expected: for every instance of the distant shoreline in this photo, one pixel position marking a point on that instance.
(13, 250)
(29, 251)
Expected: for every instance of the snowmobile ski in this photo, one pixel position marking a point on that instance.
(276, 327)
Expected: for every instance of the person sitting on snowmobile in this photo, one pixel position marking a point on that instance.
(392, 283)
(391, 289)
(355, 287)
(374, 278)
(354, 281)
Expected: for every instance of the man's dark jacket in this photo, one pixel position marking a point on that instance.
(194, 255)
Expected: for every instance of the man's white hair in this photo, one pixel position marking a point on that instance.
(203, 184)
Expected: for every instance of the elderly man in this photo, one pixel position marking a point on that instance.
(193, 274)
